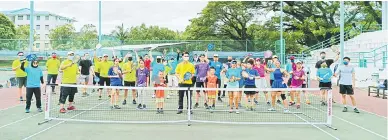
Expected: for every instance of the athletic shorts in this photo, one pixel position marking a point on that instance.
(129, 84)
(105, 80)
(304, 86)
(325, 85)
(233, 84)
(116, 85)
(261, 83)
(83, 78)
(199, 85)
(346, 89)
(22, 81)
(159, 100)
(250, 92)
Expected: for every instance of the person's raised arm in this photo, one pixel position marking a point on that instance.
(177, 57)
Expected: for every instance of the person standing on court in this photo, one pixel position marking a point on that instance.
(218, 66)
(202, 69)
(156, 68)
(85, 68)
(70, 70)
(34, 74)
(129, 71)
(347, 83)
(21, 76)
(105, 65)
(52, 66)
(185, 71)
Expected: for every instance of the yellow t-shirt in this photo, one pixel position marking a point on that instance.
(52, 66)
(104, 68)
(96, 65)
(69, 75)
(131, 75)
(183, 68)
(19, 72)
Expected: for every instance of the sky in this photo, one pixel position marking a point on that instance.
(174, 15)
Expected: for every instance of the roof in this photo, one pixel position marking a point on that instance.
(143, 46)
(26, 11)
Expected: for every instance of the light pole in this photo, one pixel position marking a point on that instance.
(31, 41)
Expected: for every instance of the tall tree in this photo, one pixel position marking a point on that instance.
(62, 37)
(87, 37)
(121, 33)
(23, 36)
(143, 32)
(7, 32)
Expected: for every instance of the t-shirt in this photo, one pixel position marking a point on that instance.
(142, 75)
(324, 73)
(147, 64)
(173, 65)
(252, 73)
(114, 80)
(233, 72)
(202, 69)
(328, 62)
(85, 66)
(260, 70)
(297, 82)
(218, 66)
(346, 75)
(182, 69)
(156, 68)
(33, 77)
(19, 72)
(96, 65)
(131, 75)
(52, 66)
(241, 82)
(69, 75)
(104, 68)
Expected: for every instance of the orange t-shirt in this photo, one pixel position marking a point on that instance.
(211, 82)
(160, 93)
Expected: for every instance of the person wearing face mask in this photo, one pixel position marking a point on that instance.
(129, 71)
(34, 76)
(201, 69)
(52, 66)
(325, 60)
(105, 65)
(85, 67)
(324, 75)
(347, 83)
(218, 66)
(69, 77)
(185, 71)
(21, 76)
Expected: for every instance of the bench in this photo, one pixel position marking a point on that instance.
(378, 89)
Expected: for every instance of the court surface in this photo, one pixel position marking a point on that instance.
(15, 125)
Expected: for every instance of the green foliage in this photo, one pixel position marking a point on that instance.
(23, 36)
(121, 33)
(87, 38)
(143, 32)
(7, 31)
(62, 36)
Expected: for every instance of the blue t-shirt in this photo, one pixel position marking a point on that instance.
(173, 65)
(33, 77)
(233, 72)
(324, 73)
(116, 81)
(241, 82)
(346, 75)
(156, 68)
(252, 73)
(218, 66)
(289, 68)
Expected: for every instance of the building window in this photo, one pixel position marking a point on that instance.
(37, 17)
(47, 27)
(37, 45)
(37, 27)
(28, 17)
(46, 45)
(46, 36)
(20, 17)
(46, 17)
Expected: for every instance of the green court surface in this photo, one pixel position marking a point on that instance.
(15, 124)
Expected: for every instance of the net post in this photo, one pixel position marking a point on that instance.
(329, 109)
(47, 90)
(189, 107)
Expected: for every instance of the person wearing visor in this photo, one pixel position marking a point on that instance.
(21, 76)
(52, 66)
(70, 70)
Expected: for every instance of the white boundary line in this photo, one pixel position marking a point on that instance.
(12, 107)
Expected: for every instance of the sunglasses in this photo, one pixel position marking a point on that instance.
(105, 56)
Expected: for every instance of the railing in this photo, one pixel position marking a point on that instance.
(372, 57)
(371, 28)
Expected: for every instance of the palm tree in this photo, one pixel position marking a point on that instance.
(121, 33)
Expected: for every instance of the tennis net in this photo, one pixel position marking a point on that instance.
(312, 109)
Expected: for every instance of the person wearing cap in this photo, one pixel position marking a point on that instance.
(156, 68)
(218, 66)
(298, 76)
(34, 83)
(201, 69)
(105, 65)
(69, 76)
(129, 71)
(21, 76)
(85, 68)
(52, 66)
(185, 71)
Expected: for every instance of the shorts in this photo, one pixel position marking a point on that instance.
(261, 83)
(325, 85)
(271, 82)
(233, 85)
(172, 81)
(199, 85)
(129, 84)
(304, 85)
(22, 81)
(159, 100)
(105, 80)
(116, 85)
(289, 82)
(83, 78)
(250, 92)
(346, 89)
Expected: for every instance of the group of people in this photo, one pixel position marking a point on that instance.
(201, 72)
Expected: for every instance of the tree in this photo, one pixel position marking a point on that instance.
(62, 37)
(23, 36)
(7, 32)
(143, 32)
(87, 38)
(121, 33)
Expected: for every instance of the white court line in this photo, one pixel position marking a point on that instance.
(11, 107)
(62, 122)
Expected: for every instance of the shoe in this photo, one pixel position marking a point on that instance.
(179, 112)
(345, 109)
(323, 104)
(256, 102)
(334, 102)
(271, 109)
(286, 111)
(211, 109)
(144, 106)
(116, 107)
(62, 110)
(124, 102)
(139, 106)
(111, 107)
(27, 110)
(196, 105)
(153, 96)
(191, 112)
(161, 111)
(21, 98)
(297, 106)
(109, 96)
(268, 103)
(231, 111)
(40, 110)
(237, 112)
(278, 101)
(168, 97)
(249, 101)
(308, 102)
(239, 105)
(292, 103)
(84, 94)
(71, 108)
(206, 106)
(219, 99)
(223, 96)
(356, 110)
(252, 109)
(134, 102)
(158, 111)
(99, 98)
(93, 90)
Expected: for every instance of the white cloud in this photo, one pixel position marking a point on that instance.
(171, 14)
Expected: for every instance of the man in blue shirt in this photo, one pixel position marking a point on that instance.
(34, 74)
(218, 66)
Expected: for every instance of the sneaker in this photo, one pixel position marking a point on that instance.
(297, 106)
(71, 108)
(139, 106)
(179, 112)
(27, 110)
(191, 112)
(279, 102)
(134, 102)
(161, 111)
(99, 97)
(286, 111)
(211, 109)
(256, 102)
(268, 103)
(109, 96)
(196, 105)
(153, 96)
(84, 94)
(356, 110)
(237, 112)
(323, 104)
(21, 98)
(249, 101)
(239, 105)
(223, 96)
(231, 111)
(271, 109)
(40, 110)
(219, 99)
(292, 103)
(168, 97)
(206, 106)
(124, 102)
(308, 102)
(111, 107)
(116, 107)
(144, 106)
(252, 109)
(158, 111)
(62, 110)
(345, 109)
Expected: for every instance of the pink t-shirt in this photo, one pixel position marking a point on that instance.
(260, 70)
(296, 83)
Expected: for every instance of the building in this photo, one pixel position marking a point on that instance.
(43, 22)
